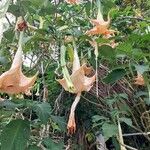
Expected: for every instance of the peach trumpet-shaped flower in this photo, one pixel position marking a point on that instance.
(139, 80)
(71, 122)
(100, 25)
(14, 81)
(81, 83)
(79, 79)
(73, 1)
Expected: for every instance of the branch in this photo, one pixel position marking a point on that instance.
(135, 18)
(8, 20)
(134, 134)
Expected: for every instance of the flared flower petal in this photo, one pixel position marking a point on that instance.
(139, 80)
(71, 126)
(98, 29)
(14, 81)
(79, 80)
(73, 1)
(100, 25)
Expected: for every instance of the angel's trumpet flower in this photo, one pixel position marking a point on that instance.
(73, 1)
(81, 83)
(100, 25)
(139, 80)
(14, 81)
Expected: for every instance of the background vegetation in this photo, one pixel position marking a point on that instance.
(39, 121)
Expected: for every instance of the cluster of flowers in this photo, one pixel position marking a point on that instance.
(14, 81)
(79, 79)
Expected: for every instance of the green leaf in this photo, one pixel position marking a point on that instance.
(15, 135)
(128, 121)
(60, 121)
(114, 75)
(147, 101)
(97, 118)
(9, 34)
(37, 3)
(33, 147)
(15, 10)
(106, 51)
(51, 145)
(43, 111)
(141, 68)
(109, 130)
(122, 95)
(126, 48)
(9, 104)
(49, 10)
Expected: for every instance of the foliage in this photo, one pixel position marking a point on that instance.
(39, 120)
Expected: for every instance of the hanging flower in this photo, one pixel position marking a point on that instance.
(73, 1)
(14, 81)
(79, 79)
(139, 80)
(100, 25)
(81, 83)
(21, 24)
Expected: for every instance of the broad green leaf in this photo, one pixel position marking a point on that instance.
(111, 101)
(60, 122)
(147, 100)
(15, 10)
(37, 3)
(87, 8)
(15, 135)
(7, 104)
(51, 145)
(97, 118)
(3, 60)
(106, 51)
(102, 41)
(141, 68)
(33, 147)
(125, 47)
(122, 95)
(9, 34)
(43, 111)
(49, 10)
(141, 93)
(128, 121)
(114, 75)
(109, 130)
